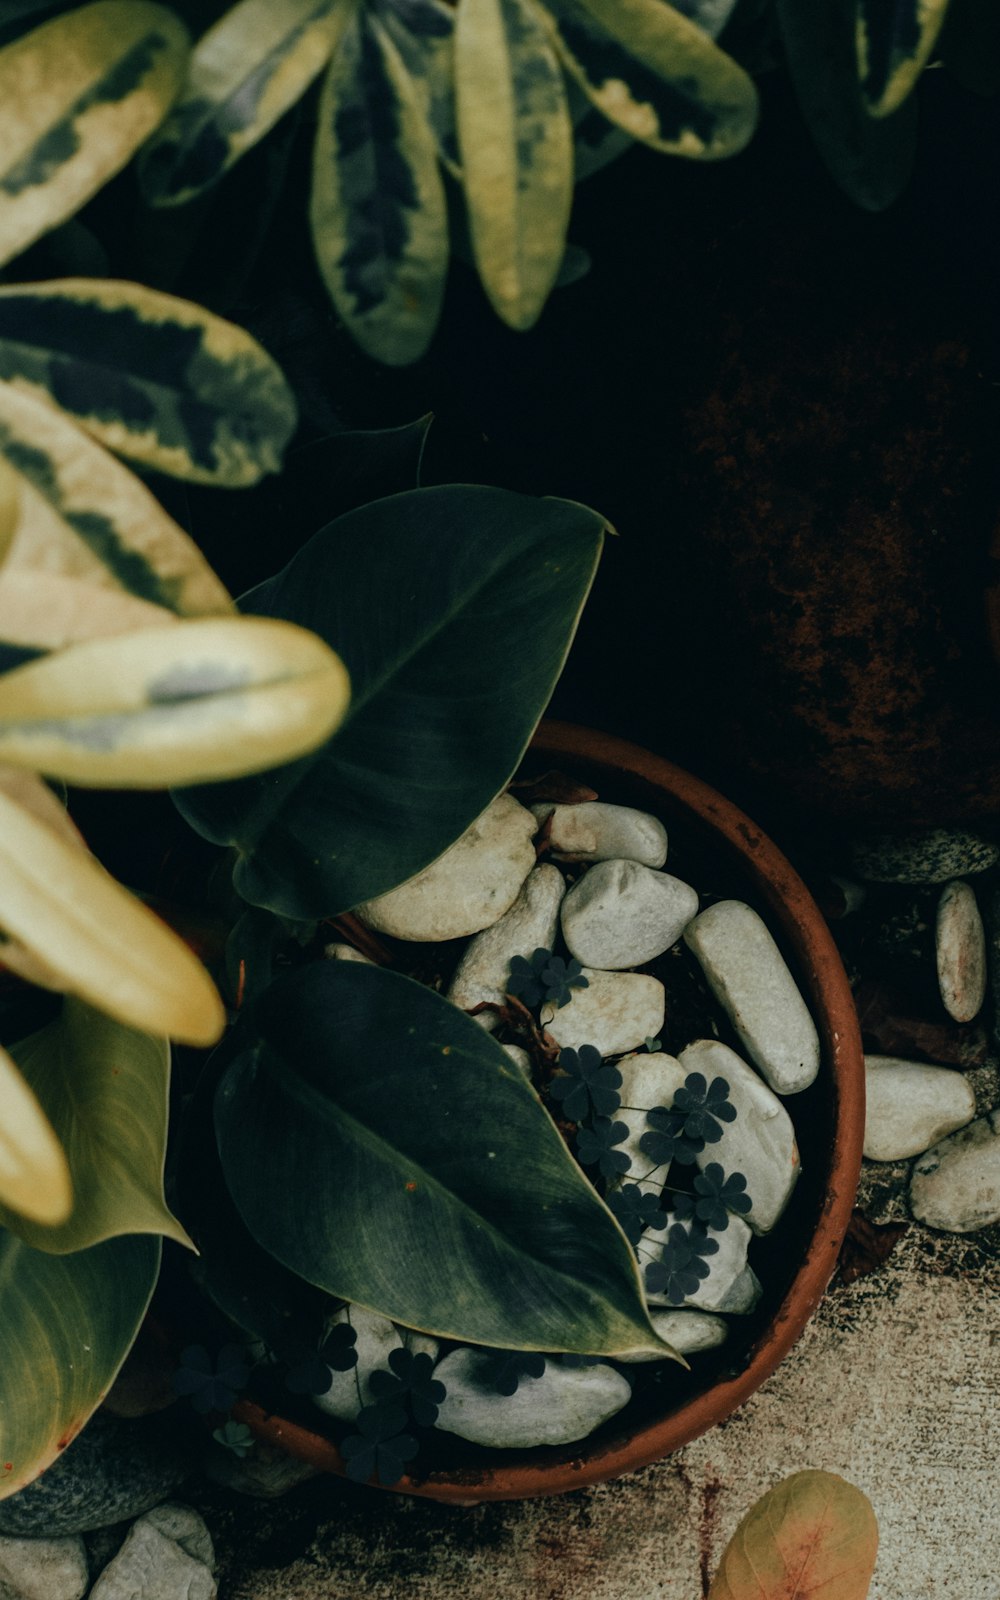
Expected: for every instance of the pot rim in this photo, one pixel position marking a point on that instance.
(832, 1005)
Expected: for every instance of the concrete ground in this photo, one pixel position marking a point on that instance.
(895, 1385)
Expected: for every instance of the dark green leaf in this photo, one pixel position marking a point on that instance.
(454, 628)
(418, 1136)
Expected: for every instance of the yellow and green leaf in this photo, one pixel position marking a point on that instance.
(378, 212)
(104, 1088)
(83, 515)
(85, 935)
(657, 75)
(47, 611)
(812, 1534)
(10, 507)
(516, 142)
(78, 96)
(894, 40)
(244, 74)
(191, 703)
(424, 34)
(154, 378)
(34, 1174)
(68, 1324)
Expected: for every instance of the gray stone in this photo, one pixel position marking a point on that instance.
(910, 1106)
(186, 1527)
(725, 1267)
(760, 1143)
(265, 1474)
(43, 1569)
(687, 1332)
(615, 1013)
(595, 831)
(117, 1468)
(564, 1404)
(748, 976)
(933, 856)
(529, 925)
(648, 1080)
(742, 1295)
(960, 949)
(377, 1337)
(622, 914)
(149, 1566)
(466, 889)
(346, 952)
(956, 1185)
(520, 1058)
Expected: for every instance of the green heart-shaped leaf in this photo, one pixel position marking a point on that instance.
(813, 1534)
(104, 1089)
(454, 628)
(381, 1145)
(68, 1324)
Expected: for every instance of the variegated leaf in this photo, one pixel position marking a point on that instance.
(423, 32)
(378, 213)
(154, 378)
(191, 703)
(105, 1089)
(894, 39)
(596, 141)
(10, 507)
(244, 74)
(47, 611)
(91, 938)
(710, 15)
(657, 75)
(83, 515)
(34, 1174)
(516, 143)
(78, 96)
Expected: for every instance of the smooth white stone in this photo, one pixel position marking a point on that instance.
(687, 1332)
(595, 831)
(466, 889)
(529, 925)
(742, 1295)
(622, 914)
(615, 1013)
(956, 1185)
(520, 1058)
(748, 976)
(346, 952)
(910, 1106)
(150, 1566)
(186, 1527)
(760, 1143)
(44, 1569)
(564, 1404)
(725, 1267)
(377, 1337)
(648, 1080)
(960, 949)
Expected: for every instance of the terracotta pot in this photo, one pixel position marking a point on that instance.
(830, 1136)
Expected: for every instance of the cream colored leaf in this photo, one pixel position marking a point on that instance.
(812, 1535)
(48, 611)
(192, 703)
(10, 507)
(34, 1174)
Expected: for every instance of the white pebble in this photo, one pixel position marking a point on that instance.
(566, 1403)
(43, 1569)
(622, 914)
(648, 1080)
(725, 1266)
(616, 1012)
(377, 1337)
(956, 1185)
(760, 1143)
(595, 831)
(960, 948)
(687, 1332)
(910, 1106)
(529, 925)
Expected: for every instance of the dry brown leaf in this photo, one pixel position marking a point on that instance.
(812, 1537)
(867, 1245)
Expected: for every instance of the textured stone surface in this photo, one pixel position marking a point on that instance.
(621, 914)
(150, 1566)
(616, 1012)
(466, 889)
(564, 1404)
(377, 1337)
(185, 1526)
(648, 1080)
(748, 976)
(909, 1106)
(43, 1569)
(760, 1143)
(956, 1185)
(933, 856)
(529, 925)
(960, 949)
(687, 1331)
(596, 831)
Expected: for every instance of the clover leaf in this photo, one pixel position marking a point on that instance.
(561, 978)
(235, 1436)
(718, 1194)
(665, 1141)
(378, 1449)
(410, 1379)
(503, 1370)
(588, 1084)
(595, 1147)
(704, 1107)
(211, 1386)
(544, 977)
(310, 1370)
(635, 1210)
(680, 1266)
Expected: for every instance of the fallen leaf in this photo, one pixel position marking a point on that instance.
(812, 1537)
(867, 1245)
(890, 1030)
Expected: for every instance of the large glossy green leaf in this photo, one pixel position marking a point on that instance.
(152, 377)
(423, 32)
(870, 158)
(657, 75)
(68, 1324)
(516, 142)
(454, 628)
(894, 40)
(381, 1145)
(77, 97)
(378, 212)
(104, 1089)
(814, 1534)
(244, 74)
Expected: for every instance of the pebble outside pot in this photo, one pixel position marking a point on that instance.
(625, 772)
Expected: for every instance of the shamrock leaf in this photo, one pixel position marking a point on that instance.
(665, 1141)
(588, 1084)
(718, 1195)
(544, 977)
(704, 1107)
(560, 978)
(211, 1387)
(635, 1210)
(310, 1370)
(410, 1379)
(681, 1265)
(595, 1147)
(502, 1370)
(235, 1436)
(378, 1449)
